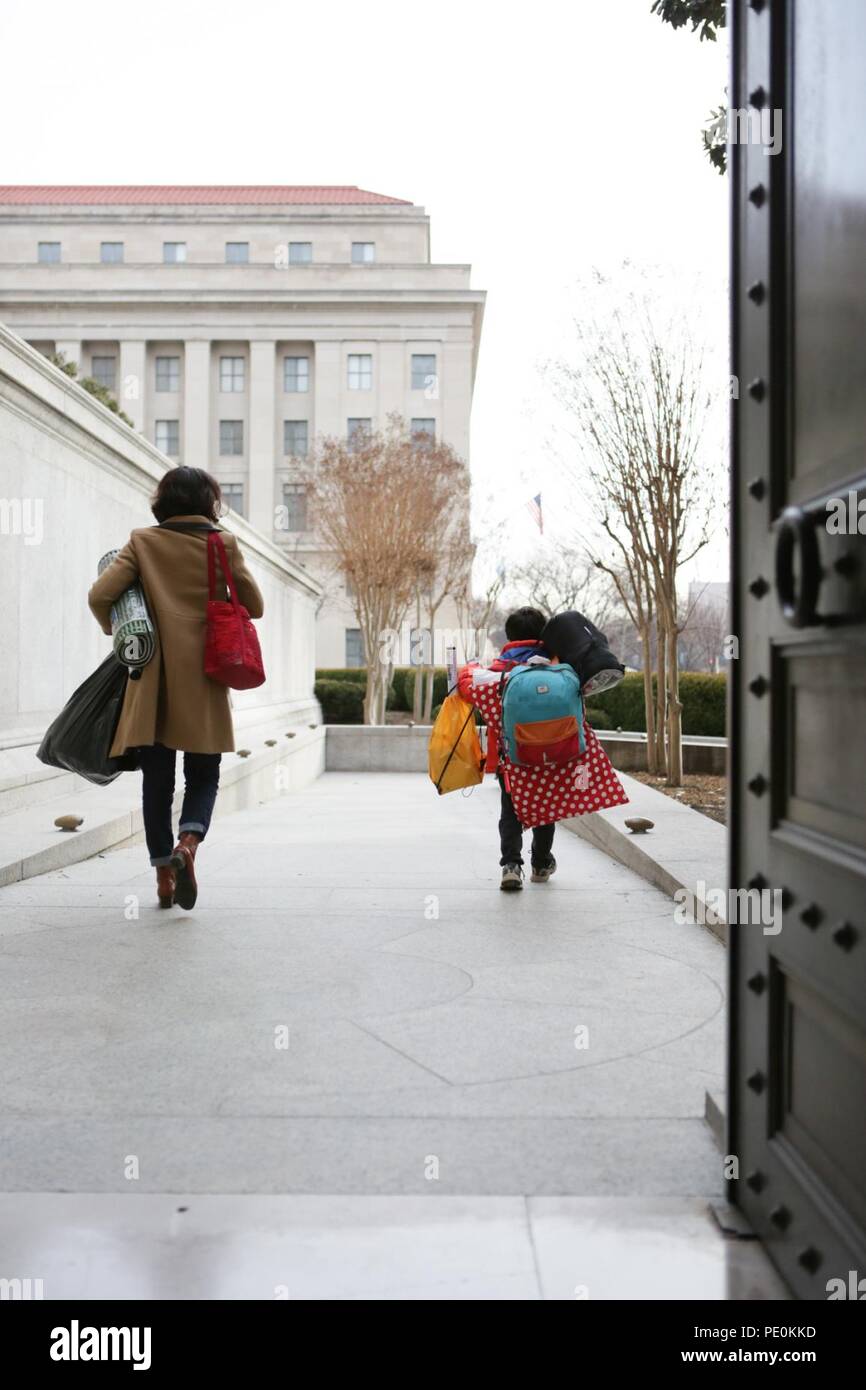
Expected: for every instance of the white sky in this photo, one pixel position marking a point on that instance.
(543, 139)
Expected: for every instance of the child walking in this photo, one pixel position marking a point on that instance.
(534, 796)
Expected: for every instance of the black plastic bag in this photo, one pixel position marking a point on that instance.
(83, 732)
(573, 638)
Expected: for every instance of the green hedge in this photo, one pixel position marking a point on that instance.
(440, 685)
(358, 675)
(598, 718)
(342, 701)
(398, 680)
(343, 673)
(703, 699)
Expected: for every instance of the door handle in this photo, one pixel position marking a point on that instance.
(798, 593)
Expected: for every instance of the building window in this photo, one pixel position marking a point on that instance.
(168, 437)
(363, 252)
(174, 252)
(295, 438)
(231, 374)
(168, 373)
(231, 436)
(360, 371)
(111, 252)
(233, 496)
(104, 371)
(357, 427)
(237, 252)
(296, 373)
(295, 505)
(300, 252)
(48, 253)
(423, 370)
(424, 431)
(354, 647)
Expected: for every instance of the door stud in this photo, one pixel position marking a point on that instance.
(810, 1259)
(845, 936)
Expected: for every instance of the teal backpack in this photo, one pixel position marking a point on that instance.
(542, 715)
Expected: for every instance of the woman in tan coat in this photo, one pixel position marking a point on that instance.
(175, 706)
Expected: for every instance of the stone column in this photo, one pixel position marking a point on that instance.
(455, 392)
(196, 405)
(262, 428)
(390, 394)
(328, 392)
(132, 383)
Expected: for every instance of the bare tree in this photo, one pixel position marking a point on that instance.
(479, 612)
(637, 400)
(704, 630)
(557, 577)
(448, 579)
(383, 503)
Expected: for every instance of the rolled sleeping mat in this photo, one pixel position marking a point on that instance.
(573, 638)
(132, 631)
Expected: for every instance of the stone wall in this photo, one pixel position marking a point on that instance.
(403, 748)
(74, 481)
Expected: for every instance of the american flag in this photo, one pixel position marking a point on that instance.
(533, 506)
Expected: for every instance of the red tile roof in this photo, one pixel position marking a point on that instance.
(250, 195)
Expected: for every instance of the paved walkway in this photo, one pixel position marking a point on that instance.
(426, 1053)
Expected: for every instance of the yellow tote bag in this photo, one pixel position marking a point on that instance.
(454, 757)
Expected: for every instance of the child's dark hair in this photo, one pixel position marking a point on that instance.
(524, 622)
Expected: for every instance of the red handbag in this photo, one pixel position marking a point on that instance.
(232, 655)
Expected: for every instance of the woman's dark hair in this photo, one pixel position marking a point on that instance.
(524, 622)
(186, 491)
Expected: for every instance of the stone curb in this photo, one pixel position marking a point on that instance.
(112, 822)
(685, 851)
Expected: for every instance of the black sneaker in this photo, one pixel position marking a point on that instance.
(542, 875)
(512, 878)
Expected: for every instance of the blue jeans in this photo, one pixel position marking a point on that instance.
(201, 772)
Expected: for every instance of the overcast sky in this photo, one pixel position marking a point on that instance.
(543, 139)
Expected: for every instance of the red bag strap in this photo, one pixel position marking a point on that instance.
(215, 544)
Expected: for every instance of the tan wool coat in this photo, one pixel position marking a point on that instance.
(174, 702)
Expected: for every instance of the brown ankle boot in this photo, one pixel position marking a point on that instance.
(165, 884)
(183, 862)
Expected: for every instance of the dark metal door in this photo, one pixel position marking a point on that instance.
(797, 1094)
